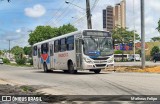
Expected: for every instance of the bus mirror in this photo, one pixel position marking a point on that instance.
(82, 41)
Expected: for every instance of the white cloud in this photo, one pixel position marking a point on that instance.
(35, 11)
(18, 30)
(155, 5)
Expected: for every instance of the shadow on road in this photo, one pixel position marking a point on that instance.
(78, 73)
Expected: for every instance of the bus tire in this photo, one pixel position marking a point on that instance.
(45, 67)
(65, 71)
(97, 71)
(71, 68)
(154, 60)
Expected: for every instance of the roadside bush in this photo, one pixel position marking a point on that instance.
(6, 61)
(154, 50)
(148, 58)
(30, 61)
(118, 52)
(21, 61)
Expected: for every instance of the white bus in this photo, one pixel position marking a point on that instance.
(82, 50)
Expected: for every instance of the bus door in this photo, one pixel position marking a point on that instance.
(35, 57)
(51, 56)
(39, 59)
(78, 44)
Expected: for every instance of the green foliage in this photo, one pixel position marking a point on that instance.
(1, 52)
(155, 39)
(6, 61)
(148, 58)
(16, 50)
(27, 50)
(27, 88)
(158, 28)
(46, 32)
(123, 35)
(20, 61)
(154, 50)
(30, 61)
(118, 52)
(66, 29)
(138, 51)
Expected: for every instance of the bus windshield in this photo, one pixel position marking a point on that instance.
(97, 46)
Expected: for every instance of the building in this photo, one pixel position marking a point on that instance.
(114, 16)
(109, 20)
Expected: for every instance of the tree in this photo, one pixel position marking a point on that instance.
(154, 50)
(155, 39)
(27, 51)
(17, 51)
(66, 29)
(1, 53)
(42, 33)
(123, 35)
(158, 28)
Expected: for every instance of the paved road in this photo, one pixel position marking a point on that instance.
(148, 63)
(84, 83)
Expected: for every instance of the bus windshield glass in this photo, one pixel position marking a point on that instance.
(97, 46)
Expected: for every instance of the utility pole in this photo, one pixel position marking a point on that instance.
(134, 33)
(142, 35)
(31, 31)
(9, 47)
(88, 11)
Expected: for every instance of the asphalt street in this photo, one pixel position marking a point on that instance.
(84, 83)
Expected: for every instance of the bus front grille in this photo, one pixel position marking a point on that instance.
(100, 65)
(100, 58)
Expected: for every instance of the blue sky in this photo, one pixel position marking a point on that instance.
(20, 16)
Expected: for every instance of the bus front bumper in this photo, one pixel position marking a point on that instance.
(88, 66)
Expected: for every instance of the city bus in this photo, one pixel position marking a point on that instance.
(81, 50)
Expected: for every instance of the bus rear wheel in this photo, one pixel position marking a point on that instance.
(71, 68)
(97, 71)
(45, 67)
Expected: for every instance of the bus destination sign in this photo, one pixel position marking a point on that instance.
(97, 33)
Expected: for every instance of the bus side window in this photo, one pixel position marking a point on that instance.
(70, 43)
(44, 48)
(51, 49)
(35, 51)
(56, 46)
(63, 45)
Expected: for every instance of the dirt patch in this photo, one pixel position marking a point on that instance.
(6, 89)
(154, 69)
(28, 91)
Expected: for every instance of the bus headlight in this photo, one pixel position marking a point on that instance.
(87, 60)
(110, 60)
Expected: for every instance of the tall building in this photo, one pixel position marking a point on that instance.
(114, 16)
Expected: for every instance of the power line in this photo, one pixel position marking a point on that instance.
(64, 11)
(56, 14)
(82, 18)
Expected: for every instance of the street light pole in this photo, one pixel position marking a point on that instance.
(88, 11)
(9, 48)
(142, 35)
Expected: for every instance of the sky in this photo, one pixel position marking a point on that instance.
(19, 17)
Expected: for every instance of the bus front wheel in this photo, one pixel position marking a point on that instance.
(45, 67)
(71, 68)
(97, 71)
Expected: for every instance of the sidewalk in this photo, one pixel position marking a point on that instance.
(147, 63)
(3, 81)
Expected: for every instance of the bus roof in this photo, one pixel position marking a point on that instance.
(65, 35)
